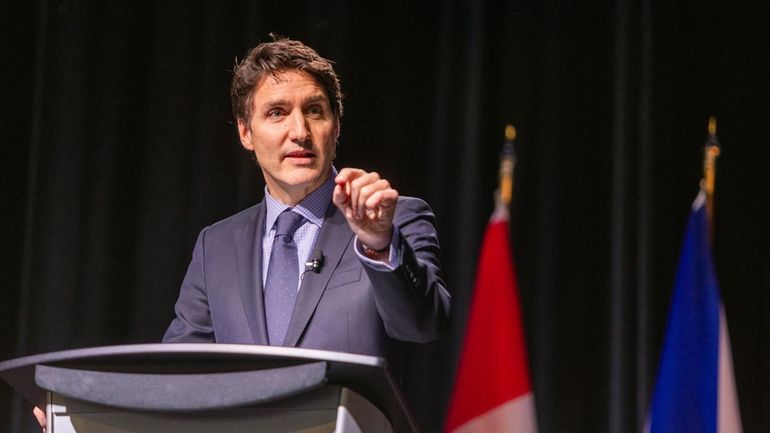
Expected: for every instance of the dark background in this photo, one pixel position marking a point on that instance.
(118, 147)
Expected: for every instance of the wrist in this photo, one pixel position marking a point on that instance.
(375, 254)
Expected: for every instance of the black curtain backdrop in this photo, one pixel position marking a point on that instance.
(118, 147)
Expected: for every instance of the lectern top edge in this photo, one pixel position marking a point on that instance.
(174, 349)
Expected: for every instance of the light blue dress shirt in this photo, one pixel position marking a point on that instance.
(313, 208)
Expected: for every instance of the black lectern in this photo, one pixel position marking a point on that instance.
(201, 388)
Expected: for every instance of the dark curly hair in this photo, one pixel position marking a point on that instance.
(280, 55)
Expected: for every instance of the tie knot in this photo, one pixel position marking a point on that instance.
(287, 223)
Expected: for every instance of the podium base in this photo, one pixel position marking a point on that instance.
(329, 409)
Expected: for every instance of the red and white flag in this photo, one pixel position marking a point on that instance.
(492, 392)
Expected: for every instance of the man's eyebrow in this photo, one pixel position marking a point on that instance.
(316, 98)
(282, 102)
(275, 102)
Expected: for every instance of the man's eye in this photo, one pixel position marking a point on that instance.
(315, 110)
(274, 113)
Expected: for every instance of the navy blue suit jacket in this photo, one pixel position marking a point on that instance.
(347, 306)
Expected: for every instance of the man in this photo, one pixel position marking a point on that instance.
(377, 276)
(373, 275)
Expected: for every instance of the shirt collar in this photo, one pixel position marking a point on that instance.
(312, 207)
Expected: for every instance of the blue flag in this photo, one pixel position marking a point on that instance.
(691, 385)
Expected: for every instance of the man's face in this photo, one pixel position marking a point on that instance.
(293, 134)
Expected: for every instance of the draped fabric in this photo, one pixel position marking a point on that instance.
(118, 146)
(694, 388)
(492, 391)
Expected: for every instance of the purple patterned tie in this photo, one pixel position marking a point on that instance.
(282, 277)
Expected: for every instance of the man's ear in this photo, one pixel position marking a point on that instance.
(244, 132)
(337, 129)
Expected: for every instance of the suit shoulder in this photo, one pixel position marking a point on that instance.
(413, 205)
(236, 221)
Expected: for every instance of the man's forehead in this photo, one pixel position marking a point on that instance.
(275, 83)
(279, 78)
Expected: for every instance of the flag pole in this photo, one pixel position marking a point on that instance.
(710, 153)
(492, 390)
(695, 384)
(507, 165)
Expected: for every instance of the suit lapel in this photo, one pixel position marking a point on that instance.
(334, 237)
(248, 252)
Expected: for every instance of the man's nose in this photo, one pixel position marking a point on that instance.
(298, 128)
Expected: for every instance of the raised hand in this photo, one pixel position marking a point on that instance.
(368, 203)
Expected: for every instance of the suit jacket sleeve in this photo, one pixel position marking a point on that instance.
(412, 300)
(192, 323)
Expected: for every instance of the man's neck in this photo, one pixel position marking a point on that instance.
(287, 198)
(292, 197)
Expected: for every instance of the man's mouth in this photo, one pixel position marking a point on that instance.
(300, 154)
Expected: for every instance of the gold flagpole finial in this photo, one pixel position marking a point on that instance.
(710, 153)
(712, 129)
(507, 165)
